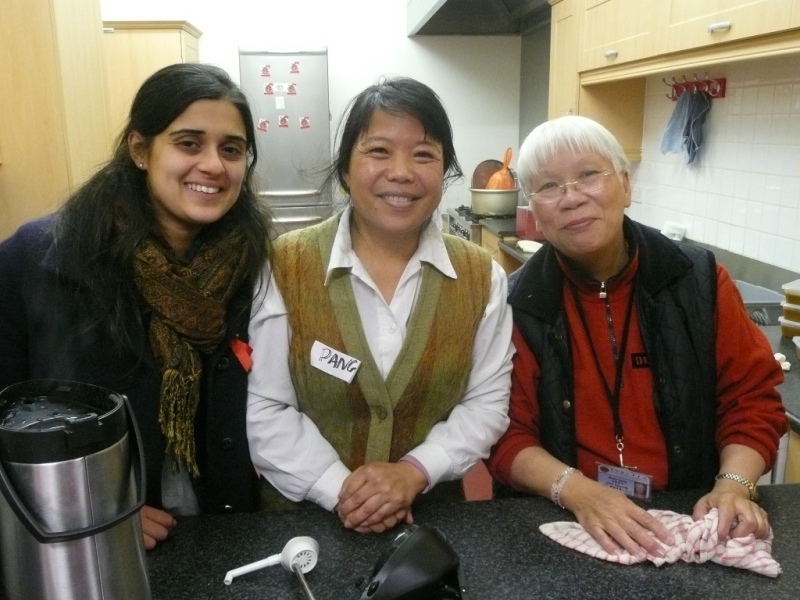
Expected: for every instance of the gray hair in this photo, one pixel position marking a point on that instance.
(571, 133)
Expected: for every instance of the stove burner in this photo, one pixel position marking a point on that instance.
(466, 212)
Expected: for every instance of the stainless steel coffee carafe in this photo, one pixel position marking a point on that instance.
(72, 487)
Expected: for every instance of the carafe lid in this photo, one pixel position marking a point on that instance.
(50, 421)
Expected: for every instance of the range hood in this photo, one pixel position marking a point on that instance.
(476, 17)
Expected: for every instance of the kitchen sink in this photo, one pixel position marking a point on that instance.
(762, 304)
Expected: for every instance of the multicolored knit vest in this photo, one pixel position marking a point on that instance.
(371, 419)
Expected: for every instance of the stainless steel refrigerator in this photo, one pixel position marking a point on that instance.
(288, 95)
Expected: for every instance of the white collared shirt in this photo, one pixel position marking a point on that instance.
(287, 447)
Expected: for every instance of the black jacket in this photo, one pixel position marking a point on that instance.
(676, 298)
(46, 332)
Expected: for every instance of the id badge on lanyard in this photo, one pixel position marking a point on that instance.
(629, 482)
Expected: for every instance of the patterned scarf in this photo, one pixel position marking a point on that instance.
(188, 303)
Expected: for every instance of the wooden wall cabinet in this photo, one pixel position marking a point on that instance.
(653, 37)
(612, 104)
(619, 31)
(693, 24)
(134, 50)
(53, 124)
(619, 107)
(564, 44)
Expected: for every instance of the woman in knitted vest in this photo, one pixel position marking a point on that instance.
(382, 350)
(142, 283)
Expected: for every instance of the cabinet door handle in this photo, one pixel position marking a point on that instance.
(721, 26)
(610, 53)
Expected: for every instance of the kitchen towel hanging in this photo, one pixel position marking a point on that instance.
(672, 141)
(693, 134)
(685, 127)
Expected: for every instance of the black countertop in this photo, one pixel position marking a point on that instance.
(505, 557)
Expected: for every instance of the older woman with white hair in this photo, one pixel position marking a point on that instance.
(637, 366)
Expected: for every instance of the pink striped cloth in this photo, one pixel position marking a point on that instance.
(695, 541)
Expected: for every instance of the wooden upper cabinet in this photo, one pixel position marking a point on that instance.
(564, 44)
(696, 23)
(620, 42)
(53, 123)
(618, 31)
(134, 50)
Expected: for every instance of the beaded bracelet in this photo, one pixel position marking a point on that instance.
(558, 486)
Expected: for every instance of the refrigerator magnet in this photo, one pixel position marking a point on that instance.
(292, 89)
(305, 123)
(268, 89)
(283, 120)
(295, 67)
(265, 71)
(263, 125)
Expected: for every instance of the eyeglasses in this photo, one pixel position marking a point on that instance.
(588, 182)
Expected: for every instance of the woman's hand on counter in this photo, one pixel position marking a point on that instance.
(613, 519)
(378, 495)
(401, 516)
(156, 525)
(738, 515)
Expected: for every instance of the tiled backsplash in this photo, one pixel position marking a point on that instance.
(743, 193)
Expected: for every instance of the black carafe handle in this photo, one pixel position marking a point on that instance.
(47, 537)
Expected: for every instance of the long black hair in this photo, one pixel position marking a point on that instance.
(86, 229)
(396, 96)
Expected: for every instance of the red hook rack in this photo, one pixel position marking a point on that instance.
(714, 87)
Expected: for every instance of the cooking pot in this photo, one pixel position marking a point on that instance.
(494, 202)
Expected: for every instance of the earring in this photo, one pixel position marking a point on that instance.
(141, 165)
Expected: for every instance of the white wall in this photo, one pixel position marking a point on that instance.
(534, 80)
(744, 195)
(476, 77)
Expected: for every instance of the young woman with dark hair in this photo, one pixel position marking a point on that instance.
(143, 283)
(382, 354)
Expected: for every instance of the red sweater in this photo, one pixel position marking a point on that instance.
(749, 411)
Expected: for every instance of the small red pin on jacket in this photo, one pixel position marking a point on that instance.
(242, 351)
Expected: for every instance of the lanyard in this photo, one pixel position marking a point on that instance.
(619, 360)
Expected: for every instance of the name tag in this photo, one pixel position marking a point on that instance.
(333, 362)
(631, 483)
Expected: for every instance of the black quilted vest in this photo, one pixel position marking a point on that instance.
(676, 298)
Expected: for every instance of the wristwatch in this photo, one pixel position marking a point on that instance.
(744, 481)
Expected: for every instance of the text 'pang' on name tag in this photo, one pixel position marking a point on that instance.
(333, 362)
